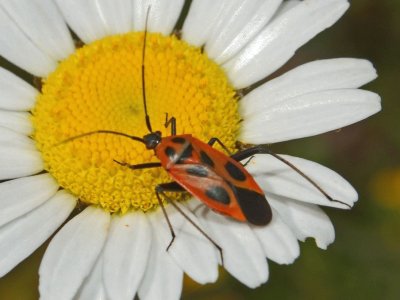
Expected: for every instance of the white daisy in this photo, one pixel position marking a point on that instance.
(116, 247)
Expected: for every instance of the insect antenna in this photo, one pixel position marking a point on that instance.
(132, 137)
(147, 118)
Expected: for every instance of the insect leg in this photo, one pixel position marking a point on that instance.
(213, 140)
(262, 149)
(247, 161)
(175, 187)
(139, 166)
(165, 215)
(171, 121)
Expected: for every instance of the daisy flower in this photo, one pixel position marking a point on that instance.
(208, 75)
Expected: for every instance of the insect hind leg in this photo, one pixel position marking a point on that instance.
(175, 187)
(262, 149)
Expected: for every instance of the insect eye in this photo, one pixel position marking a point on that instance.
(152, 144)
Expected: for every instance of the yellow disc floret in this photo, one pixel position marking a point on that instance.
(99, 87)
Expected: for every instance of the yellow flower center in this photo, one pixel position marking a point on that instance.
(99, 87)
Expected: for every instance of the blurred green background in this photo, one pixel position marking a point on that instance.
(364, 261)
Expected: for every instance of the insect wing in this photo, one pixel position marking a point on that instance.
(223, 184)
(203, 183)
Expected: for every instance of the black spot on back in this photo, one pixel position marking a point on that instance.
(170, 152)
(178, 140)
(206, 159)
(235, 171)
(254, 206)
(218, 194)
(197, 170)
(187, 153)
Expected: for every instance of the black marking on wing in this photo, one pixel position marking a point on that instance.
(254, 206)
(170, 152)
(218, 194)
(178, 140)
(206, 159)
(235, 171)
(187, 153)
(197, 170)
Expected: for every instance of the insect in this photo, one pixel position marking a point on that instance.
(219, 180)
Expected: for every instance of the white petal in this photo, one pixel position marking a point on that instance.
(163, 15)
(309, 115)
(243, 255)
(163, 277)
(16, 121)
(11, 138)
(22, 195)
(117, 15)
(278, 241)
(327, 74)
(93, 287)
(242, 20)
(19, 238)
(305, 220)
(278, 178)
(16, 94)
(17, 162)
(195, 30)
(286, 6)
(281, 38)
(84, 17)
(16, 47)
(125, 255)
(72, 254)
(43, 24)
(190, 250)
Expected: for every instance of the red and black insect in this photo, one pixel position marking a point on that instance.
(219, 180)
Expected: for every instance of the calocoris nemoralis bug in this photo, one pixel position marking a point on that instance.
(219, 180)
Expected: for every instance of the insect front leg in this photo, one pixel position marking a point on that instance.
(175, 187)
(262, 149)
(139, 166)
(172, 122)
